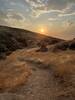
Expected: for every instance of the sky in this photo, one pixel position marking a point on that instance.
(51, 17)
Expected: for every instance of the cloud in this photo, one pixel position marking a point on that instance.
(39, 7)
(16, 15)
(13, 18)
(52, 19)
(65, 15)
(16, 19)
(68, 11)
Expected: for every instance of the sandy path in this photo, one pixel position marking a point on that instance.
(40, 85)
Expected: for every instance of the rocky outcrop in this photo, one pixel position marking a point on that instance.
(66, 45)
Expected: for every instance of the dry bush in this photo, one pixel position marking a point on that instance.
(65, 68)
(13, 75)
(64, 45)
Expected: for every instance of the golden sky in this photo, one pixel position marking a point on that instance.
(52, 17)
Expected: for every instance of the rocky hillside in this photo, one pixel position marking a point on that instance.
(65, 45)
(13, 38)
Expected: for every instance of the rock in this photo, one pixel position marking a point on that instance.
(43, 48)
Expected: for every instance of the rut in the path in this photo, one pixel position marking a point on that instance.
(40, 86)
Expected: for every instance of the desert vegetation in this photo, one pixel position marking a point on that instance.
(65, 45)
(36, 67)
(12, 39)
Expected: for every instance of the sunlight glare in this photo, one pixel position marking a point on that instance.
(42, 30)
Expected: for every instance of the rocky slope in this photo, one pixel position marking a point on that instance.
(13, 38)
(64, 45)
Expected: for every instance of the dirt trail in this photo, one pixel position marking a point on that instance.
(40, 85)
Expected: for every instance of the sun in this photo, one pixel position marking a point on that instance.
(42, 30)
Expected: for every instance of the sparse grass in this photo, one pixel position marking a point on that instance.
(13, 74)
(62, 63)
(12, 39)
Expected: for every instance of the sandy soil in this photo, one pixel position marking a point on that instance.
(50, 79)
